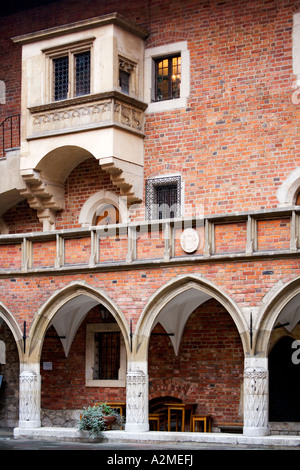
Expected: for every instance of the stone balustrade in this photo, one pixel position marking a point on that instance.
(218, 237)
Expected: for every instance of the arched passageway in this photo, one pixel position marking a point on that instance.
(83, 361)
(205, 369)
(195, 338)
(277, 339)
(77, 355)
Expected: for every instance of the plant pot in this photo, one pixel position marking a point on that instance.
(109, 420)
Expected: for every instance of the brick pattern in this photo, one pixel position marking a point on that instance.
(234, 144)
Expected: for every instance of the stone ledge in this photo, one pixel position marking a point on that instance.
(72, 434)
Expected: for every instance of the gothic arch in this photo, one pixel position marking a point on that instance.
(14, 328)
(190, 289)
(75, 292)
(272, 311)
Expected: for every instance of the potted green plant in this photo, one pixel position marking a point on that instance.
(96, 418)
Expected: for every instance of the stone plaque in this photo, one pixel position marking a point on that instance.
(189, 240)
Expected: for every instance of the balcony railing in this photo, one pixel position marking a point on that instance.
(87, 113)
(231, 237)
(10, 134)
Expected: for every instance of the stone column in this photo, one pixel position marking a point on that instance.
(137, 419)
(256, 397)
(30, 399)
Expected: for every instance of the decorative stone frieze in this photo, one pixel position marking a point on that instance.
(95, 111)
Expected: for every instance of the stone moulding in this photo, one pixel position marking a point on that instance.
(84, 113)
(130, 231)
(112, 18)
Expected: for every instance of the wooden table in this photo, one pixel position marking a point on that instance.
(181, 407)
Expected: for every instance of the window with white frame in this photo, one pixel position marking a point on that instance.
(163, 197)
(167, 77)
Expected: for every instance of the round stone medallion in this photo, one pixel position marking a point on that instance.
(189, 240)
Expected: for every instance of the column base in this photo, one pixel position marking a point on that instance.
(140, 427)
(29, 424)
(255, 432)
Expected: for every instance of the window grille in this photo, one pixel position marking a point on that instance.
(108, 347)
(163, 197)
(61, 78)
(82, 73)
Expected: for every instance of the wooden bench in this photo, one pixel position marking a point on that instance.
(231, 427)
(197, 419)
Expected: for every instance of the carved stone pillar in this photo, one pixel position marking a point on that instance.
(137, 402)
(30, 396)
(256, 401)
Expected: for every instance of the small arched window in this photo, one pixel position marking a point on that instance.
(106, 214)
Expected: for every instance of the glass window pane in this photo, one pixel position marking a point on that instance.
(124, 81)
(168, 78)
(82, 73)
(61, 78)
(176, 77)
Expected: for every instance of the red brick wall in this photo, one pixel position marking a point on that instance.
(235, 142)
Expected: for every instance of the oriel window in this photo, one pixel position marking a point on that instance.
(168, 78)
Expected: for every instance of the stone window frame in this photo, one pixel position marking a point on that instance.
(151, 55)
(70, 50)
(91, 330)
(153, 183)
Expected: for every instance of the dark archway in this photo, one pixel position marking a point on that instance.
(284, 383)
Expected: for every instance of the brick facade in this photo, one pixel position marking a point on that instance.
(235, 144)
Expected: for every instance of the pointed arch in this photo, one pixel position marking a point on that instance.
(276, 307)
(191, 290)
(14, 328)
(88, 297)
